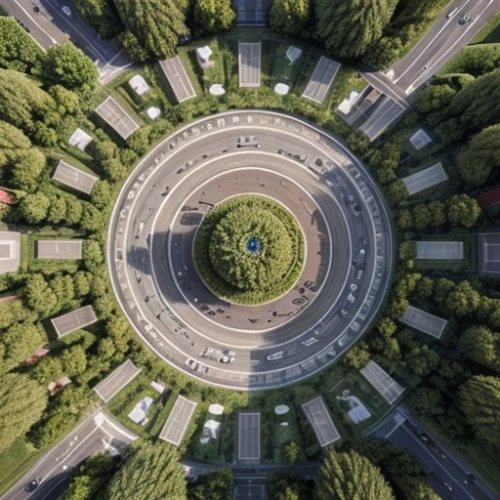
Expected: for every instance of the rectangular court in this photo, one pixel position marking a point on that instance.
(73, 177)
(178, 421)
(250, 492)
(440, 250)
(116, 117)
(321, 421)
(383, 383)
(178, 79)
(423, 321)
(249, 64)
(249, 436)
(323, 75)
(117, 380)
(386, 111)
(489, 253)
(74, 320)
(425, 179)
(59, 249)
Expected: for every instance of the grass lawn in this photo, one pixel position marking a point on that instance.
(15, 461)
(490, 33)
(213, 450)
(357, 386)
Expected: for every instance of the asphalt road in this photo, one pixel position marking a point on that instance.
(97, 432)
(153, 276)
(443, 41)
(49, 25)
(446, 471)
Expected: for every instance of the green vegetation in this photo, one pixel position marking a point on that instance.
(213, 16)
(289, 16)
(216, 485)
(349, 475)
(238, 273)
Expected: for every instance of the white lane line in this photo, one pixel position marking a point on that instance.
(415, 59)
(434, 64)
(53, 40)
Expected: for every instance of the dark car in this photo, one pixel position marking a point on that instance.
(471, 476)
(33, 485)
(464, 20)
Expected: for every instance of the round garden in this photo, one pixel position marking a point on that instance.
(249, 250)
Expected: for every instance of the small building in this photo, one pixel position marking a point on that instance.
(10, 251)
(74, 320)
(59, 249)
(489, 253)
(80, 139)
(420, 139)
(74, 178)
(138, 85)
(424, 321)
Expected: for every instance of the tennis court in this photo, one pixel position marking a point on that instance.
(117, 380)
(178, 421)
(322, 78)
(10, 251)
(249, 436)
(116, 117)
(489, 253)
(383, 115)
(423, 321)
(249, 492)
(321, 421)
(249, 64)
(74, 178)
(59, 249)
(178, 79)
(383, 383)
(425, 179)
(74, 320)
(440, 250)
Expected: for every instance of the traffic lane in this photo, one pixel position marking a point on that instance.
(445, 469)
(78, 30)
(448, 41)
(38, 25)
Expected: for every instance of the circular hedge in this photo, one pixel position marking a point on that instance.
(249, 250)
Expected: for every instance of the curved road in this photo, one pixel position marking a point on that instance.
(341, 211)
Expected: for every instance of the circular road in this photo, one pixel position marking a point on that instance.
(348, 249)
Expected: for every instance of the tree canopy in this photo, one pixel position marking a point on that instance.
(22, 402)
(289, 16)
(482, 345)
(350, 476)
(152, 472)
(349, 27)
(213, 16)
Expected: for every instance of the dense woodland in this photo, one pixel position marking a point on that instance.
(45, 96)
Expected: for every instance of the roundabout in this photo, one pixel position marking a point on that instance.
(275, 287)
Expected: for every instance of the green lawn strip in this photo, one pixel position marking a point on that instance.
(190, 63)
(215, 73)
(25, 252)
(470, 54)
(490, 33)
(346, 81)
(158, 422)
(357, 386)
(15, 461)
(211, 451)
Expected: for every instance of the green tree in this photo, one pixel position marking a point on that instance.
(348, 476)
(213, 16)
(462, 210)
(57, 209)
(102, 195)
(101, 16)
(69, 66)
(437, 213)
(39, 296)
(63, 288)
(397, 193)
(480, 156)
(34, 208)
(165, 477)
(18, 50)
(463, 299)
(292, 452)
(481, 345)
(289, 16)
(421, 217)
(22, 402)
(20, 341)
(479, 399)
(349, 27)
(92, 254)
(217, 485)
(153, 26)
(74, 361)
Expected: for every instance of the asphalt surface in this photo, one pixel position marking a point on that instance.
(446, 471)
(321, 421)
(163, 202)
(249, 64)
(443, 41)
(49, 25)
(249, 436)
(96, 433)
(117, 380)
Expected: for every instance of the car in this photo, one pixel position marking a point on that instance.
(464, 20)
(66, 10)
(33, 485)
(448, 486)
(452, 12)
(471, 476)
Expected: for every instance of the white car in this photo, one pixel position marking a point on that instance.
(66, 10)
